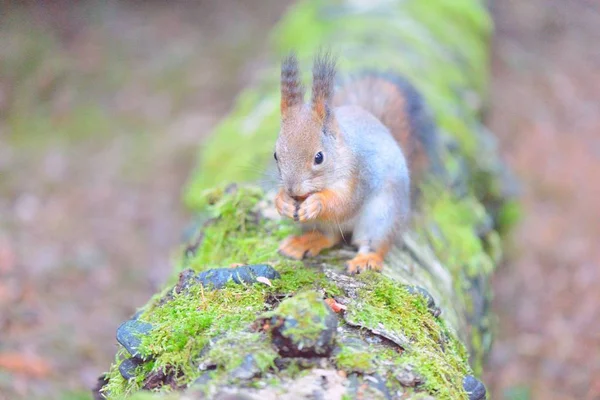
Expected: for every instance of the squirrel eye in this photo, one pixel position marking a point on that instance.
(318, 158)
(275, 156)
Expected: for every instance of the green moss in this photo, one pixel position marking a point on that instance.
(187, 322)
(451, 225)
(184, 325)
(236, 236)
(119, 386)
(432, 348)
(493, 246)
(464, 27)
(508, 216)
(295, 276)
(454, 237)
(308, 311)
(229, 353)
(354, 360)
(478, 350)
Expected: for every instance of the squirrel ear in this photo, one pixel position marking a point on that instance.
(292, 92)
(322, 90)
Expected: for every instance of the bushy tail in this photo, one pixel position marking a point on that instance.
(401, 108)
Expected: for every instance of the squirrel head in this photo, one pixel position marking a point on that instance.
(308, 148)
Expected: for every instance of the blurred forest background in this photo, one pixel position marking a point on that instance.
(103, 106)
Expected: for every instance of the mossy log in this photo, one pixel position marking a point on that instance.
(288, 329)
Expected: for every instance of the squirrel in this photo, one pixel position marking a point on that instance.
(343, 160)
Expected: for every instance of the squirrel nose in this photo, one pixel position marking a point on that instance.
(297, 193)
(291, 187)
(295, 188)
(294, 192)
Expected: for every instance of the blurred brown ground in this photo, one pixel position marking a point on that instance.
(546, 110)
(88, 221)
(102, 108)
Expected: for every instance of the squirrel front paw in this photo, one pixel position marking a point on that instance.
(285, 205)
(310, 208)
(364, 262)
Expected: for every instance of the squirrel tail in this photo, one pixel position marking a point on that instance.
(400, 107)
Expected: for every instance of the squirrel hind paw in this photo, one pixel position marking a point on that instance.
(292, 251)
(364, 262)
(307, 245)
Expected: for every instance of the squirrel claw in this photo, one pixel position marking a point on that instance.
(309, 209)
(364, 262)
(286, 206)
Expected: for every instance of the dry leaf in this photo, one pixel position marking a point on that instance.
(264, 280)
(335, 306)
(24, 364)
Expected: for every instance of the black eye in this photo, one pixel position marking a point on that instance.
(275, 156)
(318, 158)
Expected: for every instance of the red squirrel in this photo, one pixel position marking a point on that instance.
(342, 168)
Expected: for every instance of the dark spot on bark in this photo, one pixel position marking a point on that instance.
(97, 389)
(474, 388)
(164, 377)
(130, 333)
(128, 366)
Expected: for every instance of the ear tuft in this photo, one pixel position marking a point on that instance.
(322, 89)
(292, 92)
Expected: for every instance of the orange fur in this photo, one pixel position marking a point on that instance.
(307, 245)
(368, 261)
(320, 110)
(336, 205)
(328, 205)
(365, 261)
(384, 249)
(285, 205)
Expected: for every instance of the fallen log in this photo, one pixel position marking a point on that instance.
(238, 321)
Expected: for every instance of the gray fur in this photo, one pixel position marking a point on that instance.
(384, 184)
